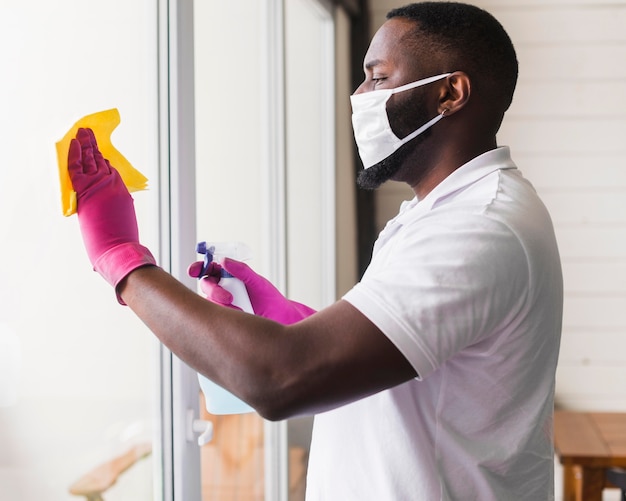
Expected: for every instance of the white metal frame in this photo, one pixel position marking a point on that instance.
(180, 456)
(276, 457)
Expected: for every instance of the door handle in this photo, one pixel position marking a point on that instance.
(201, 426)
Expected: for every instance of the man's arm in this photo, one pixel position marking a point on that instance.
(333, 357)
(328, 359)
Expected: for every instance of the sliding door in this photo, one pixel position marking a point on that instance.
(236, 141)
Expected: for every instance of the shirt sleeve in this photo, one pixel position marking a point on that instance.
(437, 287)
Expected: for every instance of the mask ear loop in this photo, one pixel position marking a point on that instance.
(443, 113)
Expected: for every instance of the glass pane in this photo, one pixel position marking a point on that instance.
(232, 462)
(310, 152)
(230, 199)
(310, 181)
(78, 372)
(233, 195)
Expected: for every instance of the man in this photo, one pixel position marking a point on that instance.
(433, 378)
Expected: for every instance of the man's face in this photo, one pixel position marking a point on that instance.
(388, 168)
(389, 63)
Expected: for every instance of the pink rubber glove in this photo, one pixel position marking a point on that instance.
(266, 299)
(106, 213)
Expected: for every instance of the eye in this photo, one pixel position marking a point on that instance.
(378, 80)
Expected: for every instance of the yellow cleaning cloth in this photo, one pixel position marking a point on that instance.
(102, 124)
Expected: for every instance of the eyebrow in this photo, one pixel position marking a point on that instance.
(374, 62)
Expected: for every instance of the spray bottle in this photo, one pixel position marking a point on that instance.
(218, 400)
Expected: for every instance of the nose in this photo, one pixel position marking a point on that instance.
(360, 89)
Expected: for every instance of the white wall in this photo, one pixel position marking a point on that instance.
(566, 128)
(569, 122)
(85, 385)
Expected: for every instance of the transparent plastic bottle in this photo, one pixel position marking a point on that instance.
(219, 400)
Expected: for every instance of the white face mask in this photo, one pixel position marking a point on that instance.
(372, 132)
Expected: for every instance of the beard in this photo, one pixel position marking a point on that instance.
(372, 177)
(388, 168)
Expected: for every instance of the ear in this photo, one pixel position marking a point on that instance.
(455, 93)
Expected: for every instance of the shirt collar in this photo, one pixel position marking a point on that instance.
(472, 171)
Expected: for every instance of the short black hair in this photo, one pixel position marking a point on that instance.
(472, 40)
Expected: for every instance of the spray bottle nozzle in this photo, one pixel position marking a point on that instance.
(216, 251)
(201, 248)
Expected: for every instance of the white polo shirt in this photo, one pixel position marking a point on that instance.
(467, 284)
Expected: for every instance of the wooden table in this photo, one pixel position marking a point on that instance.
(587, 443)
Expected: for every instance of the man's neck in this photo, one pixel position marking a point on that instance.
(445, 163)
